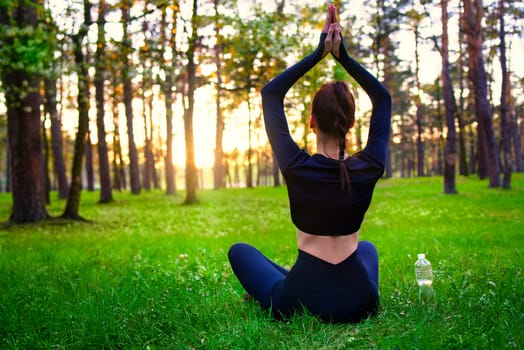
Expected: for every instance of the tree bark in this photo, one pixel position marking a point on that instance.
(463, 156)
(134, 171)
(167, 88)
(249, 153)
(450, 151)
(56, 138)
(106, 192)
(477, 74)
(21, 91)
(71, 210)
(218, 167)
(516, 134)
(152, 159)
(146, 179)
(119, 174)
(45, 145)
(191, 175)
(90, 172)
(504, 120)
(418, 113)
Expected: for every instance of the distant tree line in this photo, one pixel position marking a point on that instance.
(130, 69)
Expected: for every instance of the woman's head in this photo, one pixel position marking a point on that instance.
(333, 114)
(333, 111)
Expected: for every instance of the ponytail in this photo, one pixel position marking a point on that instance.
(334, 109)
(345, 183)
(345, 117)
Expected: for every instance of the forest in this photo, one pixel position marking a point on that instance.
(134, 95)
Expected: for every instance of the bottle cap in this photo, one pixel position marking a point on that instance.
(421, 256)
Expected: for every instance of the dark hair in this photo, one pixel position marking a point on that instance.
(334, 111)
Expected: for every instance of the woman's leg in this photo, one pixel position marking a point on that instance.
(258, 275)
(369, 256)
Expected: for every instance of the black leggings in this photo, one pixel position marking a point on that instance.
(343, 292)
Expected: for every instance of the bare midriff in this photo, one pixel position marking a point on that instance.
(333, 249)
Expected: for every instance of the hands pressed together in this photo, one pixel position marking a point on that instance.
(332, 28)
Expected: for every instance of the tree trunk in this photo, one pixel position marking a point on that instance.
(418, 104)
(463, 156)
(218, 166)
(515, 134)
(472, 24)
(450, 151)
(56, 138)
(504, 121)
(25, 146)
(472, 155)
(71, 210)
(150, 180)
(22, 98)
(153, 172)
(8, 177)
(249, 175)
(191, 175)
(45, 145)
(134, 171)
(106, 192)
(119, 179)
(440, 126)
(170, 168)
(167, 88)
(146, 178)
(90, 173)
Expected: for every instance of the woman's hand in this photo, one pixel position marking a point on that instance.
(331, 17)
(332, 28)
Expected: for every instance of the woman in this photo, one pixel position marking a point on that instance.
(335, 276)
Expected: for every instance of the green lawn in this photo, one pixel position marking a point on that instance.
(148, 272)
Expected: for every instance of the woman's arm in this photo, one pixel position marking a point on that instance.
(380, 123)
(273, 95)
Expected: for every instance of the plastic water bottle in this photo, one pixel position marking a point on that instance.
(424, 275)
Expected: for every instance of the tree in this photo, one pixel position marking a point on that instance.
(168, 85)
(145, 58)
(56, 135)
(25, 52)
(191, 175)
(450, 151)
(504, 120)
(472, 19)
(134, 171)
(218, 166)
(463, 162)
(71, 210)
(106, 194)
(119, 173)
(385, 20)
(251, 66)
(416, 18)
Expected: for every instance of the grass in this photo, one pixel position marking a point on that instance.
(148, 272)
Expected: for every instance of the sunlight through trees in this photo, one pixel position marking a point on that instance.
(136, 95)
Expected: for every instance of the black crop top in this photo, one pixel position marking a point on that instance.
(318, 205)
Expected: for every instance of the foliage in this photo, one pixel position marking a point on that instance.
(151, 273)
(28, 49)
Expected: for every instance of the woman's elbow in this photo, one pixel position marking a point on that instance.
(267, 90)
